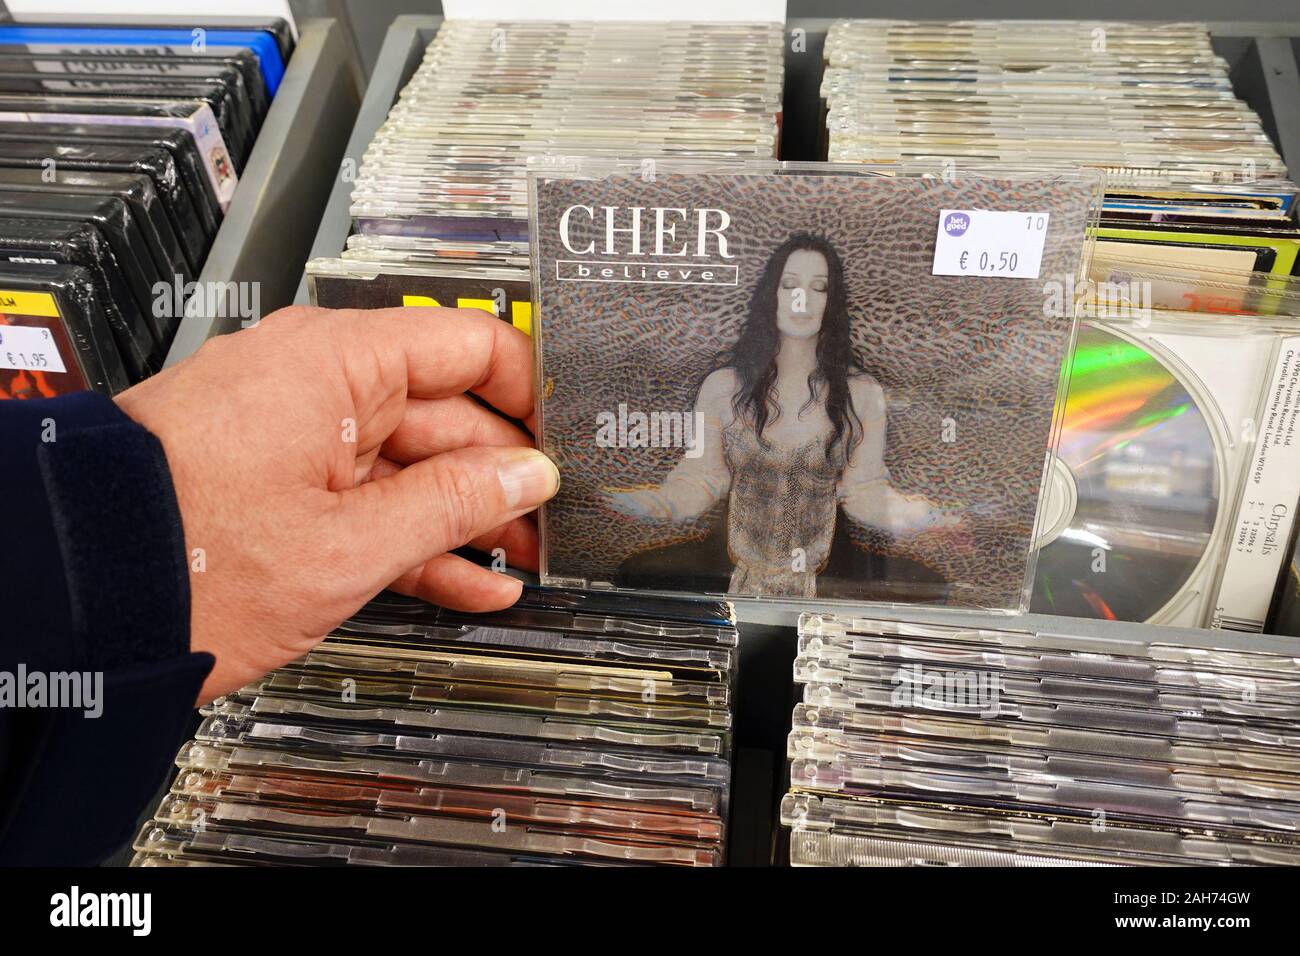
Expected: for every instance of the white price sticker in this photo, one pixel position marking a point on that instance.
(26, 349)
(978, 242)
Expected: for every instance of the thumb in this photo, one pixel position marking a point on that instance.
(441, 503)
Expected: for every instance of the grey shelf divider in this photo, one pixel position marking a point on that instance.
(267, 232)
(403, 48)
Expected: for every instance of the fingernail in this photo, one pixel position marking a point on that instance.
(528, 478)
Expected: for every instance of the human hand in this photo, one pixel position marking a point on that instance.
(321, 456)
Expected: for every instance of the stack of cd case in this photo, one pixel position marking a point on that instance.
(121, 144)
(440, 202)
(571, 729)
(1192, 176)
(1134, 98)
(1010, 744)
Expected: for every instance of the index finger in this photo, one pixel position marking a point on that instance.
(443, 352)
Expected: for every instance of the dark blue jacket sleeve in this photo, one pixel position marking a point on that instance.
(97, 682)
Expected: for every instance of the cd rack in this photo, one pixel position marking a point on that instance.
(1263, 72)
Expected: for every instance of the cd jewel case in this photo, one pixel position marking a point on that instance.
(756, 379)
(1162, 422)
(50, 342)
(1172, 497)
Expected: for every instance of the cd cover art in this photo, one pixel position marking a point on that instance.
(756, 378)
(349, 284)
(54, 339)
(32, 349)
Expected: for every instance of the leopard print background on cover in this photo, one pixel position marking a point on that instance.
(978, 351)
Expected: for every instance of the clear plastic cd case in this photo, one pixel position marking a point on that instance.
(1172, 496)
(802, 381)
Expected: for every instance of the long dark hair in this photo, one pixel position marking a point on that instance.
(754, 355)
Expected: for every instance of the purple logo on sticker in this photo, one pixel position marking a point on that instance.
(956, 223)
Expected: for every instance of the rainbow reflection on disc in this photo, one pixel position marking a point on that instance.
(1143, 460)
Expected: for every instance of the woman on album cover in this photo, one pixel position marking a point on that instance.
(794, 434)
